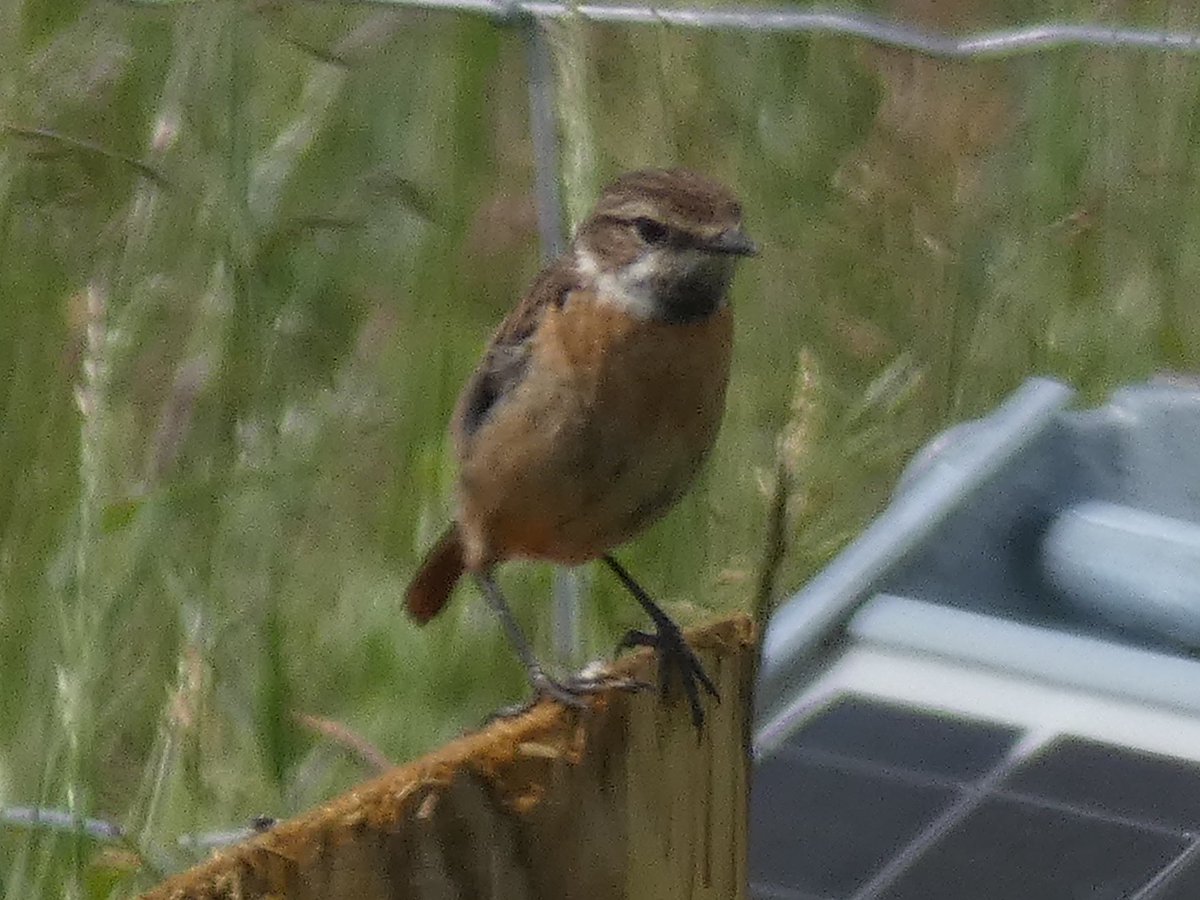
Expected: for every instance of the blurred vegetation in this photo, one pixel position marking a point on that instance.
(248, 253)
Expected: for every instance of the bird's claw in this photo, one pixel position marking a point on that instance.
(675, 657)
(635, 638)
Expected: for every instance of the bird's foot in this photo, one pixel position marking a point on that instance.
(572, 692)
(675, 658)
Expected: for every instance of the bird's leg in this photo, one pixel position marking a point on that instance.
(570, 692)
(674, 654)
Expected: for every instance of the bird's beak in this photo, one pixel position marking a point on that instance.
(734, 242)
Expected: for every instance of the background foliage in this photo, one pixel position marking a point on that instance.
(248, 253)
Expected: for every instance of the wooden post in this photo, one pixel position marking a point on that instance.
(619, 802)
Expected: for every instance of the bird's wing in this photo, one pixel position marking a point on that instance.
(504, 361)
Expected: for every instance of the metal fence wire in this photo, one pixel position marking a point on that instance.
(992, 44)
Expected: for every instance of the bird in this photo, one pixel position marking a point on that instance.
(594, 405)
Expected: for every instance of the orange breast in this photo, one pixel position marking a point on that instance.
(605, 432)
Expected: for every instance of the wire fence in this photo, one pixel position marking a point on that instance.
(530, 15)
(993, 44)
(878, 30)
(982, 45)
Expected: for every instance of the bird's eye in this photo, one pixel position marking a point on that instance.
(650, 231)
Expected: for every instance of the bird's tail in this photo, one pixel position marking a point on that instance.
(434, 582)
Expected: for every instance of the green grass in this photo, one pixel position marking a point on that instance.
(225, 384)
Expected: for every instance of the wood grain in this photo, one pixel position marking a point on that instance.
(620, 801)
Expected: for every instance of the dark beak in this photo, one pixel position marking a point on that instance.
(734, 242)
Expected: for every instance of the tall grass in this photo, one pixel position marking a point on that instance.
(249, 252)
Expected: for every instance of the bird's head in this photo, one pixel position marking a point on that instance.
(661, 243)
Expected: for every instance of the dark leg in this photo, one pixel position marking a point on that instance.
(570, 692)
(674, 654)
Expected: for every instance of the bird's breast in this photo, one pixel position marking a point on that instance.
(634, 368)
(606, 431)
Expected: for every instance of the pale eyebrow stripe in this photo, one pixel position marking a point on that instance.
(632, 209)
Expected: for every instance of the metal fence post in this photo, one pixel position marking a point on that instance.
(543, 127)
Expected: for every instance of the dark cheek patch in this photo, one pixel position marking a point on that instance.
(690, 299)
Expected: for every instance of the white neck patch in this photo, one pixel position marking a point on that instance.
(628, 287)
(631, 287)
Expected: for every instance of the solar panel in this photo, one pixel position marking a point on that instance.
(907, 738)
(1145, 787)
(985, 696)
(1007, 849)
(824, 826)
(1181, 884)
(870, 800)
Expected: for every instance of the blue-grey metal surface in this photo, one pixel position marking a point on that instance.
(1045, 654)
(1133, 568)
(1076, 521)
(939, 484)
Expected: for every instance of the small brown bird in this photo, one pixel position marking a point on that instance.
(595, 404)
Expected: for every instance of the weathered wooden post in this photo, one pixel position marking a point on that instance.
(624, 802)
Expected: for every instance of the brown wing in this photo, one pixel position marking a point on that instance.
(504, 361)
